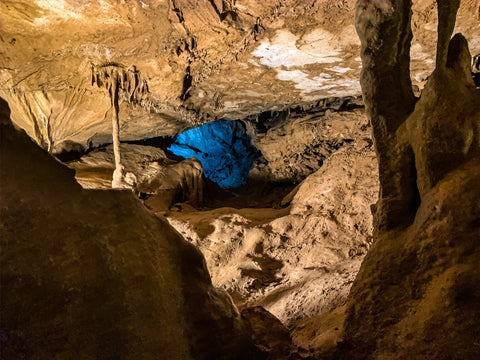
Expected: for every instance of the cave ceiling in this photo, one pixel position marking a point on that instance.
(202, 60)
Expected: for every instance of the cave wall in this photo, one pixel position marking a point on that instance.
(202, 60)
(417, 290)
(186, 50)
(93, 274)
(49, 49)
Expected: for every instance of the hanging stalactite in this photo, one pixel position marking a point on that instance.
(119, 80)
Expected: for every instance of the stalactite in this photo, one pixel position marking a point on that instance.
(118, 80)
(46, 123)
(119, 169)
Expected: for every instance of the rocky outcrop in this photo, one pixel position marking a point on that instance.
(299, 259)
(93, 274)
(294, 143)
(155, 178)
(416, 292)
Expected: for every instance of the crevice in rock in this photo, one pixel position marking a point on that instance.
(476, 69)
(187, 83)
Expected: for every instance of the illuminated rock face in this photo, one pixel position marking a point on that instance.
(416, 294)
(199, 64)
(224, 149)
(100, 277)
(94, 275)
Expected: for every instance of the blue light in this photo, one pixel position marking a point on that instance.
(224, 149)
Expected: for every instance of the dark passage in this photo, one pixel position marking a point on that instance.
(224, 149)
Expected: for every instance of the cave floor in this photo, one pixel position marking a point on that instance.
(292, 239)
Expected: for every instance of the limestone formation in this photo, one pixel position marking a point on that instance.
(156, 178)
(354, 235)
(116, 80)
(94, 275)
(388, 96)
(267, 56)
(415, 293)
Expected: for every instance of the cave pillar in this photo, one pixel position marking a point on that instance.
(444, 130)
(447, 13)
(117, 181)
(384, 30)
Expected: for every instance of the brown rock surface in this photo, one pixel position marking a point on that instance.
(201, 60)
(93, 274)
(296, 143)
(153, 174)
(298, 262)
(416, 295)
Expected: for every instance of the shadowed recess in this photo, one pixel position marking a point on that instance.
(224, 149)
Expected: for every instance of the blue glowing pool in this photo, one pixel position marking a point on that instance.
(224, 149)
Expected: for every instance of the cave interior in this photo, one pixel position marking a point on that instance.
(240, 179)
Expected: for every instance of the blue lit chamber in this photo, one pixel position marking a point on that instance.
(224, 149)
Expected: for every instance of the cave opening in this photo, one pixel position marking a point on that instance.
(223, 147)
(236, 174)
